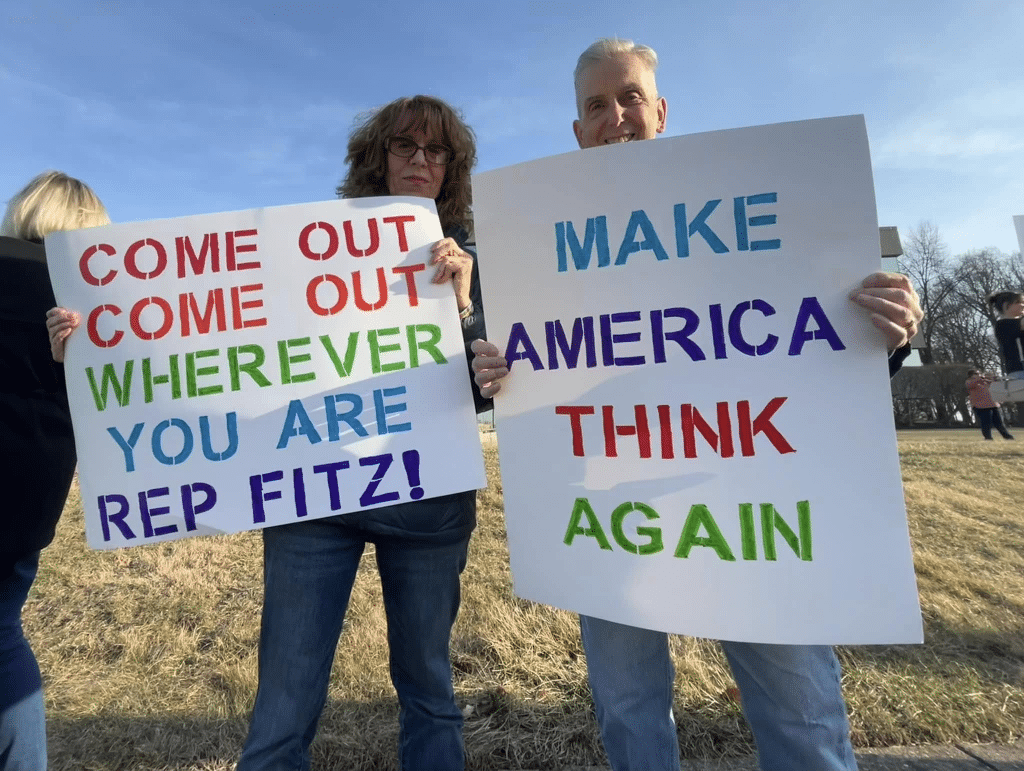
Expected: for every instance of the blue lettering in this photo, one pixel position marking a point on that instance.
(700, 225)
(518, 336)
(810, 308)
(383, 410)
(582, 334)
(638, 221)
(680, 337)
(736, 329)
(742, 222)
(595, 234)
(608, 340)
(297, 422)
(127, 446)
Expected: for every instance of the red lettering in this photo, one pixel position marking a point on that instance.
(92, 324)
(762, 424)
(399, 223)
(332, 241)
(131, 259)
(234, 249)
(135, 318)
(371, 224)
(314, 303)
(691, 419)
(238, 305)
(574, 414)
(409, 271)
(382, 291)
(640, 430)
(691, 423)
(665, 423)
(185, 251)
(83, 265)
(188, 308)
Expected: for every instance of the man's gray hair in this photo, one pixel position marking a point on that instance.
(608, 48)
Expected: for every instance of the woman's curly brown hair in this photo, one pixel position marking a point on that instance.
(368, 160)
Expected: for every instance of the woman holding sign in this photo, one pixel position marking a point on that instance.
(37, 447)
(414, 146)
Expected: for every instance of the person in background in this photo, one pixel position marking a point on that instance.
(791, 694)
(986, 409)
(37, 445)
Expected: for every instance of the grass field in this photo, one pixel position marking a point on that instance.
(149, 653)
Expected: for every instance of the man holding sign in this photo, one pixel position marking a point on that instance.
(791, 693)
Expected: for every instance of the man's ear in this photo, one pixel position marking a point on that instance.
(662, 114)
(578, 132)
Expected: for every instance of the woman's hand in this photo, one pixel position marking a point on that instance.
(489, 367)
(455, 264)
(60, 323)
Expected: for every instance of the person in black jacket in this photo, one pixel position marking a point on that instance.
(37, 446)
(1009, 309)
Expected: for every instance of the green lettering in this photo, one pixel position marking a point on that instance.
(772, 522)
(582, 508)
(287, 360)
(149, 379)
(192, 373)
(376, 349)
(747, 533)
(653, 546)
(252, 368)
(122, 388)
(344, 369)
(699, 515)
(430, 345)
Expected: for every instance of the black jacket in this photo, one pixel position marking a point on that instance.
(37, 446)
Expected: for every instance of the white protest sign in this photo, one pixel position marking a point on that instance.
(248, 369)
(696, 435)
(1018, 223)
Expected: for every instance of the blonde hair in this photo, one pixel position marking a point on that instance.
(52, 201)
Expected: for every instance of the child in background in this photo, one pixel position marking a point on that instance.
(986, 409)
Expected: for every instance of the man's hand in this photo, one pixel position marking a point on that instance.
(489, 367)
(893, 304)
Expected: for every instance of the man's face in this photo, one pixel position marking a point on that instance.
(617, 101)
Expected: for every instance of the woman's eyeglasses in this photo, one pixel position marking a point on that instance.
(403, 147)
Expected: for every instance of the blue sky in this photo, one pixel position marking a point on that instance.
(173, 108)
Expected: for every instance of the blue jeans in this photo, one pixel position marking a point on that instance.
(989, 417)
(22, 721)
(309, 569)
(791, 697)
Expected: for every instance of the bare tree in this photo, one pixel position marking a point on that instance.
(925, 261)
(966, 327)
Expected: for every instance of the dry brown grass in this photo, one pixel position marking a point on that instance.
(149, 653)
